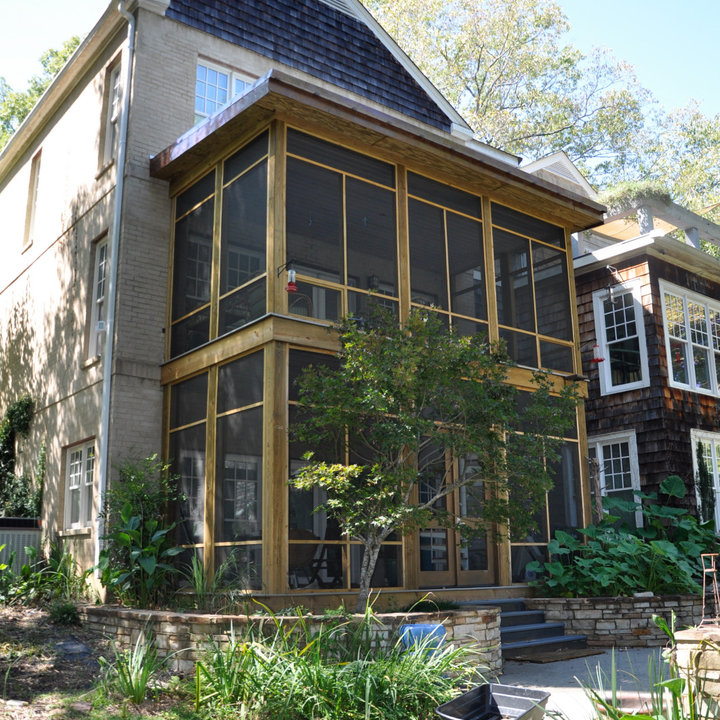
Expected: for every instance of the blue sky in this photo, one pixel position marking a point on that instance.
(673, 45)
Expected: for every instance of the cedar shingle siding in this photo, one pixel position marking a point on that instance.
(319, 40)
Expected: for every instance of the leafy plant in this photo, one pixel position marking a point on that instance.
(63, 612)
(214, 591)
(615, 559)
(136, 561)
(143, 543)
(336, 673)
(131, 673)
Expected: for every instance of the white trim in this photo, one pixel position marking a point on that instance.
(714, 467)
(80, 463)
(604, 369)
(713, 349)
(598, 442)
(98, 297)
(234, 79)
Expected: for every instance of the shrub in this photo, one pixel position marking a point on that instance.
(63, 612)
(136, 562)
(336, 673)
(661, 557)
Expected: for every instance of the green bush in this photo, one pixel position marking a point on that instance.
(663, 556)
(135, 563)
(336, 673)
(64, 612)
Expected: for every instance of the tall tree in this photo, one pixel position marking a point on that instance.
(507, 67)
(404, 402)
(16, 104)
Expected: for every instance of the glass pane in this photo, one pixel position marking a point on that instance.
(675, 316)
(313, 565)
(434, 556)
(240, 382)
(306, 523)
(190, 333)
(564, 501)
(340, 158)
(300, 359)
(526, 225)
(315, 301)
(315, 220)
(242, 307)
(701, 362)
(520, 347)
(371, 238)
(445, 195)
(556, 357)
(552, 294)
(244, 222)
(427, 255)
(245, 157)
(473, 554)
(512, 281)
(238, 478)
(625, 363)
(75, 506)
(362, 305)
(192, 261)
(388, 570)
(195, 194)
(467, 267)
(187, 457)
(523, 555)
(678, 361)
(244, 565)
(188, 401)
(468, 327)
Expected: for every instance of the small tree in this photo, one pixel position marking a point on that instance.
(401, 403)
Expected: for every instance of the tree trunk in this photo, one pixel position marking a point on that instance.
(369, 561)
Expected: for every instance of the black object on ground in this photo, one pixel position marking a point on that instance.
(492, 701)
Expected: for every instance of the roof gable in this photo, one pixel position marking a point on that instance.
(319, 38)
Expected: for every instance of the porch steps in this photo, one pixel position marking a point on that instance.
(524, 632)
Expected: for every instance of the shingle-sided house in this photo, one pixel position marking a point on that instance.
(649, 307)
(151, 204)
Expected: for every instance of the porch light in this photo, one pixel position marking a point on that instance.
(291, 287)
(597, 358)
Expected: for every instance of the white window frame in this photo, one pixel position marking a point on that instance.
(32, 200)
(713, 439)
(604, 368)
(712, 347)
(113, 110)
(101, 264)
(237, 83)
(599, 442)
(80, 463)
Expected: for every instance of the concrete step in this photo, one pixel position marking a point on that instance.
(520, 633)
(540, 645)
(521, 617)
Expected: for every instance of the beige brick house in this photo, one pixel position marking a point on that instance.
(151, 204)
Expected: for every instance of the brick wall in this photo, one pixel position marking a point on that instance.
(620, 621)
(187, 634)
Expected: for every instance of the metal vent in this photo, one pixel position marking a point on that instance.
(341, 5)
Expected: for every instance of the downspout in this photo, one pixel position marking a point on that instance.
(103, 470)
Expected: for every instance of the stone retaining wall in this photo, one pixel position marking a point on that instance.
(187, 634)
(620, 621)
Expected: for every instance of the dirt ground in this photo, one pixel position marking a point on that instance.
(38, 669)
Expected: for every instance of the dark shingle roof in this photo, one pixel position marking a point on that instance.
(313, 37)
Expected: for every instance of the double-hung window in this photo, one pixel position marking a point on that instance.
(32, 200)
(620, 332)
(692, 339)
(619, 473)
(215, 87)
(79, 475)
(113, 110)
(706, 466)
(97, 298)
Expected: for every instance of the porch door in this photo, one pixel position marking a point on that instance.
(445, 559)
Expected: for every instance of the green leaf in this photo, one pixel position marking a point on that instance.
(674, 486)
(148, 564)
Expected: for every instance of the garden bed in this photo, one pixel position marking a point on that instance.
(620, 621)
(189, 633)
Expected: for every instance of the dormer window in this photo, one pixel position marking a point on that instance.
(215, 87)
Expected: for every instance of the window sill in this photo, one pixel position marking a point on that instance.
(75, 532)
(91, 362)
(104, 168)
